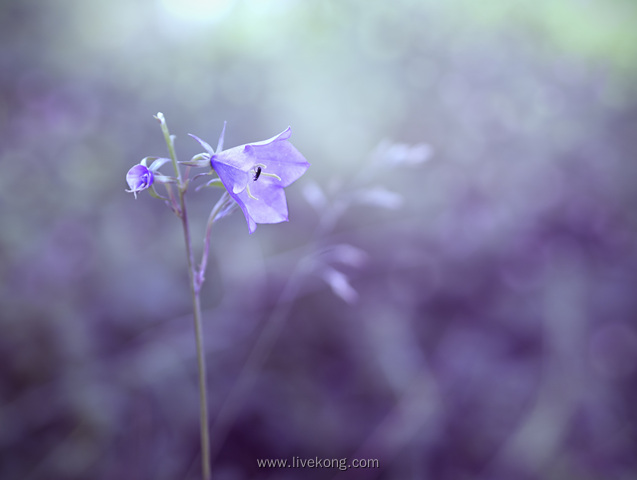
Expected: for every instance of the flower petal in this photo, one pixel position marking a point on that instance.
(268, 206)
(280, 158)
(236, 158)
(284, 135)
(271, 205)
(233, 178)
(139, 177)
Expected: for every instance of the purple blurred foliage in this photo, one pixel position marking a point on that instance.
(482, 320)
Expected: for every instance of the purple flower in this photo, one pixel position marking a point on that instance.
(256, 174)
(140, 177)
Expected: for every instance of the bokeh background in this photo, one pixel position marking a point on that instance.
(454, 294)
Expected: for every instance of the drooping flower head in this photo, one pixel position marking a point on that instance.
(140, 177)
(256, 174)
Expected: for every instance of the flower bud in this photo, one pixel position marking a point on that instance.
(139, 178)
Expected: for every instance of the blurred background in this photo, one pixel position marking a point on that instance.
(454, 294)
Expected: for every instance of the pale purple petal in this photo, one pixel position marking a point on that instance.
(252, 225)
(280, 158)
(233, 178)
(236, 158)
(278, 155)
(284, 135)
(270, 206)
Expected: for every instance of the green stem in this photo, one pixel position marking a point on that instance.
(171, 145)
(201, 360)
(195, 287)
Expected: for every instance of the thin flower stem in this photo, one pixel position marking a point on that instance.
(172, 203)
(195, 286)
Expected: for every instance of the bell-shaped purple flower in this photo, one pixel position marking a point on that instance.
(256, 174)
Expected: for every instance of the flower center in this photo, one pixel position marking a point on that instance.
(258, 173)
(145, 180)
